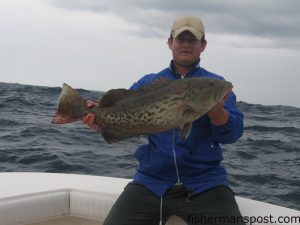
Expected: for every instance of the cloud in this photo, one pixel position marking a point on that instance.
(274, 21)
(99, 45)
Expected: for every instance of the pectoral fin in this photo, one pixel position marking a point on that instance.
(185, 130)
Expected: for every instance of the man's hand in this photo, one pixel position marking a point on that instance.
(218, 114)
(89, 119)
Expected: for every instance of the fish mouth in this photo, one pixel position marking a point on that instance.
(226, 88)
(228, 85)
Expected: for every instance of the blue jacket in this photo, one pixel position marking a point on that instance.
(195, 162)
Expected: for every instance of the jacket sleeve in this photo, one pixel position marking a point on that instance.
(233, 129)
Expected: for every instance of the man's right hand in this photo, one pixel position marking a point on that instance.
(89, 119)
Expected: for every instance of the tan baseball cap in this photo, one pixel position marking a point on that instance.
(191, 23)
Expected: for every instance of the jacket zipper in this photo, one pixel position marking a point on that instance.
(175, 160)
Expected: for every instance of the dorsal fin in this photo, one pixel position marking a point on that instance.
(155, 84)
(113, 96)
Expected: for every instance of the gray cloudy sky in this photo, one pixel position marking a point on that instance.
(104, 44)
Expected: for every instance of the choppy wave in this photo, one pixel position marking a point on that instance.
(264, 164)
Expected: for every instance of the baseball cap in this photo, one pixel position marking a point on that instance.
(190, 23)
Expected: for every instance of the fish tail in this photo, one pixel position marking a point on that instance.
(70, 107)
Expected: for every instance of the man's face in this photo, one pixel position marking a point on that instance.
(186, 49)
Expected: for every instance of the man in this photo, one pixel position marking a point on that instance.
(176, 176)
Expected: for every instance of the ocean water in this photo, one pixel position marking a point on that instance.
(263, 165)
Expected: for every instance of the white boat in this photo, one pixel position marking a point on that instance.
(68, 199)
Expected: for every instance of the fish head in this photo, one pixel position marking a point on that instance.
(204, 93)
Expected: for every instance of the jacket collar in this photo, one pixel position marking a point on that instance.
(195, 67)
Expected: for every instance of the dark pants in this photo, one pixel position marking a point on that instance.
(139, 206)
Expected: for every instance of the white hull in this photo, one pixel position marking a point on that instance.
(68, 199)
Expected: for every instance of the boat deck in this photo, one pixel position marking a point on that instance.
(68, 199)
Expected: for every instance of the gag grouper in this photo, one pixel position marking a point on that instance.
(157, 107)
